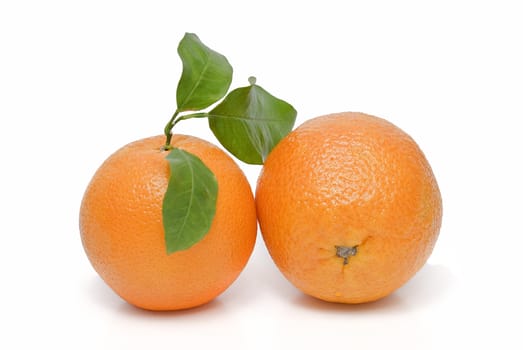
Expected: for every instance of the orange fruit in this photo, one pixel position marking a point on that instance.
(122, 231)
(349, 207)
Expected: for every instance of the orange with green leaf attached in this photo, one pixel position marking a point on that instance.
(169, 221)
(349, 207)
(123, 234)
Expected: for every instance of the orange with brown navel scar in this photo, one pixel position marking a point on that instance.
(349, 207)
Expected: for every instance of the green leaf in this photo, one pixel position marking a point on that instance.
(189, 203)
(249, 122)
(206, 75)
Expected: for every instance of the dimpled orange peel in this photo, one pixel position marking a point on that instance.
(349, 207)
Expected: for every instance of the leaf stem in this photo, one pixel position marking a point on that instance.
(190, 116)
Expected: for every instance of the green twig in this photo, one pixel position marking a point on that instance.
(175, 119)
(168, 131)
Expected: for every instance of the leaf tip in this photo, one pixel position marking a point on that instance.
(171, 249)
(189, 34)
(252, 80)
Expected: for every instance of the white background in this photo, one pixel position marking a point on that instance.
(80, 79)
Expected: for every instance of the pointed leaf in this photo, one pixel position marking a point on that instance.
(189, 203)
(249, 122)
(206, 75)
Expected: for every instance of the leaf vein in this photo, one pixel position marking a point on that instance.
(198, 82)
